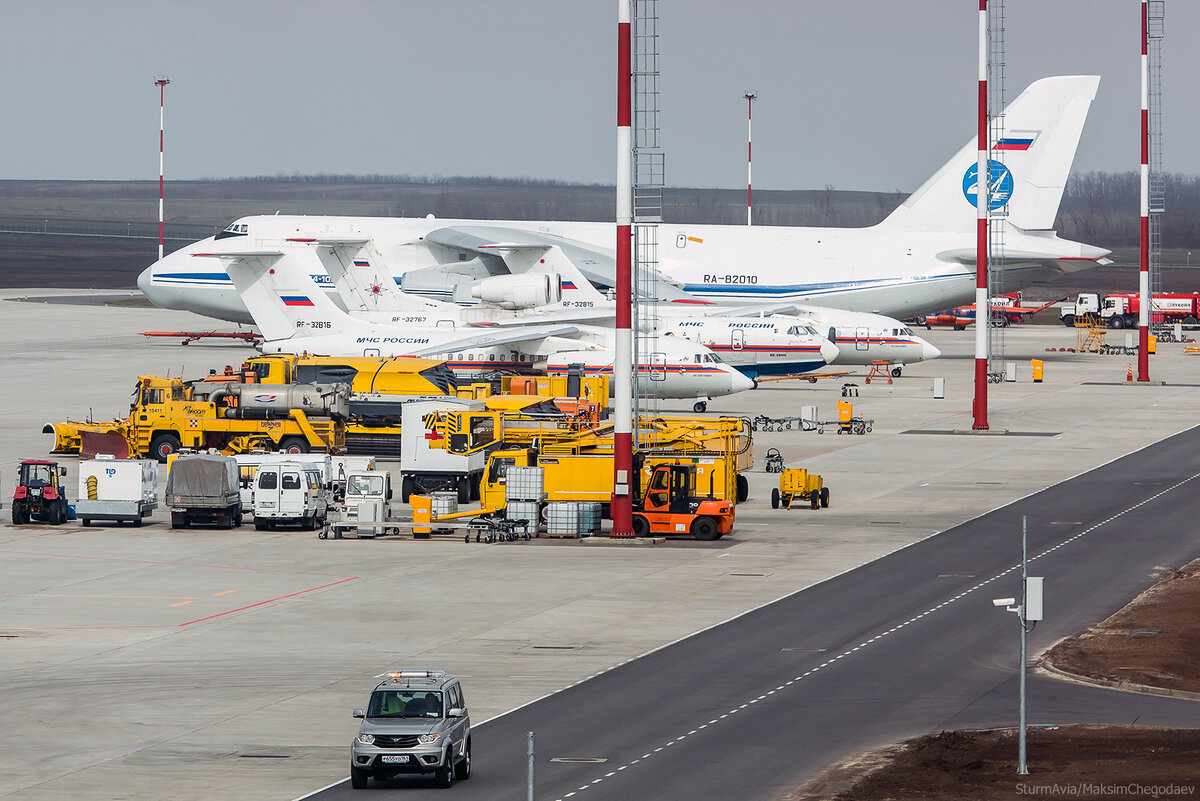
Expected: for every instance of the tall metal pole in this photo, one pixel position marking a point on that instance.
(1022, 768)
(623, 366)
(982, 185)
(161, 83)
(750, 98)
(1144, 269)
(529, 777)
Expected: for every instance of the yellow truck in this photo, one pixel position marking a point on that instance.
(168, 414)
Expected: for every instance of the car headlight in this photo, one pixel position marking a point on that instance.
(428, 738)
(366, 739)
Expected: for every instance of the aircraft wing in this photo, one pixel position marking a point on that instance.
(598, 264)
(755, 311)
(495, 335)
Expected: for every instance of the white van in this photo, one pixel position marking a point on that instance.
(248, 464)
(288, 492)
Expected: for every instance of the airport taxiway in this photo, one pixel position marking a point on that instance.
(226, 663)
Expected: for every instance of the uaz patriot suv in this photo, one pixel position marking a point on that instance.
(415, 722)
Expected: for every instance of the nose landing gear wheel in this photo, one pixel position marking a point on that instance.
(700, 406)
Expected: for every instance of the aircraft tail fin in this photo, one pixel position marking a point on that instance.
(364, 286)
(283, 299)
(1028, 165)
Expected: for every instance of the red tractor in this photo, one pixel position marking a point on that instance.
(39, 495)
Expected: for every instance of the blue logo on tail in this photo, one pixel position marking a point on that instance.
(1000, 185)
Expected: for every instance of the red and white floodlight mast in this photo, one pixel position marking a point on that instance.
(161, 83)
(981, 234)
(750, 98)
(622, 500)
(1144, 268)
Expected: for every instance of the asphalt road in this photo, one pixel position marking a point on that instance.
(905, 645)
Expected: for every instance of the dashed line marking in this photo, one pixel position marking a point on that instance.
(913, 619)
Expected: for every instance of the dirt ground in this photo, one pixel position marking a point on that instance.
(1085, 762)
(1153, 641)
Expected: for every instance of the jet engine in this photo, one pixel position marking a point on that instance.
(519, 291)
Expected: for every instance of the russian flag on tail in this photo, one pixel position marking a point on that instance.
(296, 300)
(1014, 143)
(361, 263)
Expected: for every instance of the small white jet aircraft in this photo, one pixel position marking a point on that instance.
(295, 316)
(920, 259)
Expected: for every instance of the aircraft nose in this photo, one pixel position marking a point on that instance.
(146, 282)
(929, 351)
(739, 382)
(829, 352)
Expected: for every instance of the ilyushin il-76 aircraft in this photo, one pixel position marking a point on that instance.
(921, 258)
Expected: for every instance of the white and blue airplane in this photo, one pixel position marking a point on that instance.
(920, 259)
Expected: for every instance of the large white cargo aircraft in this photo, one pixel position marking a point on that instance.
(920, 259)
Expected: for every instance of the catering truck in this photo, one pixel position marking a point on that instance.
(122, 490)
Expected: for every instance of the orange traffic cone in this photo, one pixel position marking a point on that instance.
(1129, 373)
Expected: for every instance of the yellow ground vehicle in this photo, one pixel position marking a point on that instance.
(577, 459)
(168, 413)
(796, 483)
(670, 505)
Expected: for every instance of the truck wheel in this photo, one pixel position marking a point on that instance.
(814, 499)
(775, 497)
(464, 490)
(359, 778)
(85, 521)
(1116, 321)
(163, 446)
(445, 774)
(406, 488)
(743, 488)
(20, 514)
(825, 497)
(237, 517)
(294, 445)
(641, 526)
(260, 525)
(704, 528)
(1068, 320)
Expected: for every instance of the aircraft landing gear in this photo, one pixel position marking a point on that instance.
(700, 406)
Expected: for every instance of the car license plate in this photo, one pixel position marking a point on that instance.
(389, 758)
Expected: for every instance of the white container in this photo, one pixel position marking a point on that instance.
(525, 510)
(572, 518)
(524, 484)
(444, 503)
(125, 490)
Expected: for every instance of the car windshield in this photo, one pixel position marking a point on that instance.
(365, 485)
(405, 704)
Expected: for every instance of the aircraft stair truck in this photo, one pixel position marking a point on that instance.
(426, 466)
(295, 418)
(1121, 310)
(122, 490)
(39, 494)
(203, 488)
(670, 505)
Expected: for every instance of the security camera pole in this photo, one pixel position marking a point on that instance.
(1029, 611)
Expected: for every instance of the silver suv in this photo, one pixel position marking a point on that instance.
(415, 722)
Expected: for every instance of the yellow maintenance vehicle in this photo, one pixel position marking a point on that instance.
(577, 458)
(797, 484)
(168, 414)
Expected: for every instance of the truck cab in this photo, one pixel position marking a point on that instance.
(289, 493)
(670, 506)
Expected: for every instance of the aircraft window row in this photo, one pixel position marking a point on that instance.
(898, 331)
(237, 228)
(707, 357)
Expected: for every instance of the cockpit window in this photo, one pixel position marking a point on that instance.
(907, 331)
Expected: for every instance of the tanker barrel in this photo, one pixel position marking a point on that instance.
(324, 400)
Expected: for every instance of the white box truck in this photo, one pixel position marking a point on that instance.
(425, 469)
(122, 490)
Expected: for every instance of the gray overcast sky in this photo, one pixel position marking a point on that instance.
(860, 94)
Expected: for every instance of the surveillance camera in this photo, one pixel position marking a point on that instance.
(1003, 601)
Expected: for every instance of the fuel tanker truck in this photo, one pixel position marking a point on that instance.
(168, 414)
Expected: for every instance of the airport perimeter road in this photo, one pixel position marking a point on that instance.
(905, 645)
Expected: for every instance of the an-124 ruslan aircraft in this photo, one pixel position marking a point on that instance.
(295, 316)
(919, 259)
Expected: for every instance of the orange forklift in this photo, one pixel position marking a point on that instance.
(670, 505)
